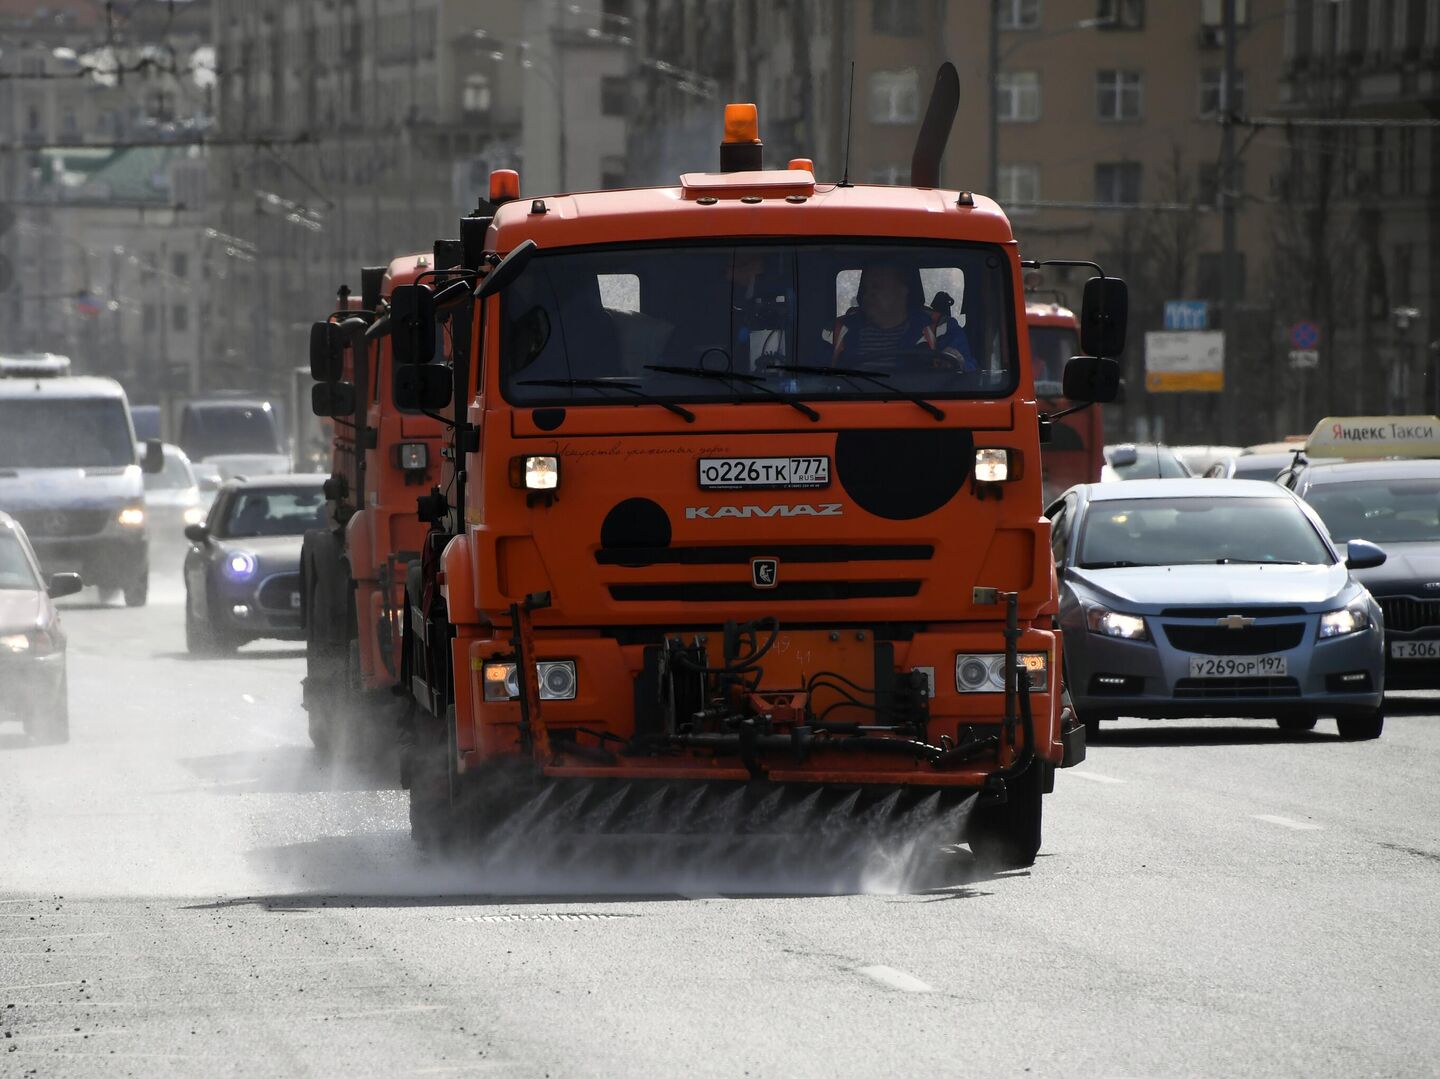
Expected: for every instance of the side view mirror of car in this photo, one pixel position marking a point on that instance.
(153, 462)
(1362, 554)
(198, 534)
(425, 386)
(64, 584)
(1104, 312)
(1091, 378)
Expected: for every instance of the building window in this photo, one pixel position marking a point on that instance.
(475, 94)
(1211, 90)
(1019, 186)
(1212, 12)
(890, 174)
(900, 18)
(1117, 183)
(894, 97)
(1117, 95)
(1120, 14)
(147, 318)
(1019, 14)
(180, 264)
(1017, 96)
(179, 318)
(614, 95)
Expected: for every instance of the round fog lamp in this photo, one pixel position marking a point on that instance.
(557, 680)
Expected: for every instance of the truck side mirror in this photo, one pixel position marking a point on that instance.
(327, 359)
(1103, 315)
(508, 268)
(154, 460)
(412, 323)
(422, 386)
(1091, 378)
(332, 399)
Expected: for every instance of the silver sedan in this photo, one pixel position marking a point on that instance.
(1225, 598)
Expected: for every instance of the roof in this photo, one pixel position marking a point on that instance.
(1182, 488)
(667, 213)
(133, 174)
(68, 386)
(300, 480)
(1394, 468)
(403, 270)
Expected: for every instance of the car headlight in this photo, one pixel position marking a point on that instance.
(556, 677)
(1114, 624)
(1349, 619)
(132, 516)
(240, 565)
(984, 672)
(15, 643)
(194, 516)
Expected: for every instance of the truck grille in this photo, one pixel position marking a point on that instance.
(743, 592)
(1248, 641)
(46, 523)
(1406, 614)
(1225, 688)
(274, 594)
(786, 552)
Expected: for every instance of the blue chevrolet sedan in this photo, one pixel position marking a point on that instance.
(1225, 598)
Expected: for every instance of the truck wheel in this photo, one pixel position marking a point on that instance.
(431, 817)
(138, 590)
(1295, 723)
(1361, 727)
(1008, 836)
(53, 726)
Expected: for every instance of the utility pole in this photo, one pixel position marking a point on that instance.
(1227, 242)
(994, 127)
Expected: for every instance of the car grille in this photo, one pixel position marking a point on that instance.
(1247, 641)
(275, 592)
(1225, 688)
(45, 523)
(1221, 612)
(1406, 614)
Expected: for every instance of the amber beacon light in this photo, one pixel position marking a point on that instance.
(741, 151)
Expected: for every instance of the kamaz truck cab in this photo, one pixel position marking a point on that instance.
(1073, 449)
(70, 473)
(751, 499)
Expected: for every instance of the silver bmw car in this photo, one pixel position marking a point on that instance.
(1224, 598)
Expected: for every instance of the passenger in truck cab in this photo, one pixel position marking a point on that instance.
(890, 323)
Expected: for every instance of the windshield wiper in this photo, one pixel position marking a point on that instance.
(1118, 564)
(736, 376)
(865, 376)
(607, 384)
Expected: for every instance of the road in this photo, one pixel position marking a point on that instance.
(186, 890)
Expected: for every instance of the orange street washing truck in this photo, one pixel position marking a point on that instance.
(383, 457)
(745, 501)
(1074, 449)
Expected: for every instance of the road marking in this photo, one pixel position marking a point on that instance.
(55, 936)
(404, 1009)
(896, 979)
(1095, 777)
(1286, 822)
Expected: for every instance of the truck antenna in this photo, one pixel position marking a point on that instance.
(849, 120)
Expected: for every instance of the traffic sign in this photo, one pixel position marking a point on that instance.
(1186, 361)
(1187, 315)
(1304, 357)
(1304, 335)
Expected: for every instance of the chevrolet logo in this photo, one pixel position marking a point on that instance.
(1235, 621)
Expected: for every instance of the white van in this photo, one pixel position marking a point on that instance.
(69, 473)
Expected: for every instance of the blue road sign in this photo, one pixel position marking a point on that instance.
(1187, 315)
(1304, 335)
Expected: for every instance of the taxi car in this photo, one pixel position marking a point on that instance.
(242, 572)
(1224, 598)
(32, 642)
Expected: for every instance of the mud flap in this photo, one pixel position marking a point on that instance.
(1072, 738)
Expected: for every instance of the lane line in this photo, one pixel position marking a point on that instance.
(1286, 822)
(895, 979)
(403, 1009)
(56, 936)
(1093, 777)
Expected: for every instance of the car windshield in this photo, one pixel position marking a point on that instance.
(1394, 511)
(1268, 471)
(16, 572)
(65, 432)
(1151, 463)
(174, 476)
(280, 511)
(216, 430)
(1050, 350)
(1195, 531)
(727, 321)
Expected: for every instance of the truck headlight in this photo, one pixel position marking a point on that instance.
(992, 465)
(1109, 623)
(132, 516)
(984, 672)
(542, 473)
(556, 677)
(1350, 619)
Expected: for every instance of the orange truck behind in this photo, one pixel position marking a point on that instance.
(728, 526)
(1075, 449)
(383, 458)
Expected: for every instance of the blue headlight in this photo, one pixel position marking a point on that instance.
(240, 565)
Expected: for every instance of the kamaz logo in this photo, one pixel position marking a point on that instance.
(707, 513)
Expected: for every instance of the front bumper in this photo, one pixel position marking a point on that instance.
(266, 607)
(107, 560)
(31, 684)
(1413, 673)
(1112, 677)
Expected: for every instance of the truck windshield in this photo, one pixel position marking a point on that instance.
(211, 432)
(934, 321)
(1050, 349)
(64, 432)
